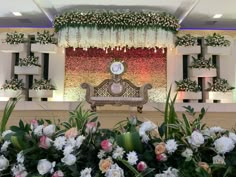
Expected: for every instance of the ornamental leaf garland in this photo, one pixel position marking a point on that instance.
(45, 38)
(201, 62)
(42, 84)
(187, 85)
(116, 20)
(13, 84)
(217, 40)
(186, 40)
(219, 85)
(29, 61)
(15, 38)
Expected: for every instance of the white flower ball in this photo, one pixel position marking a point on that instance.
(4, 163)
(69, 159)
(44, 166)
(196, 139)
(224, 145)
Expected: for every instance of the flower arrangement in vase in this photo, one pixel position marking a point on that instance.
(29, 61)
(186, 40)
(15, 38)
(42, 84)
(219, 85)
(202, 62)
(216, 40)
(187, 85)
(45, 38)
(13, 84)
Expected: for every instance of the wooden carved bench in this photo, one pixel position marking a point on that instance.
(116, 91)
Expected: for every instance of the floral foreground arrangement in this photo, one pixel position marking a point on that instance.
(179, 147)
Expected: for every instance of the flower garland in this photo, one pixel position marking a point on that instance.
(187, 85)
(13, 84)
(217, 40)
(202, 63)
(45, 38)
(15, 38)
(29, 61)
(186, 40)
(110, 29)
(42, 84)
(219, 85)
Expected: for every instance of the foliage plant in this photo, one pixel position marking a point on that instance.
(29, 61)
(14, 84)
(45, 37)
(181, 146)
(219, 85)
(15, 38)
(187, 85)
(186, 40)
(42, 84)
(201, 62)
(217, 40)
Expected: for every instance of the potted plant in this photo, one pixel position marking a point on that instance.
(15, 39)
(219, 90)
(45, 42)
(201, 67)
(12, 88)
(28, 66)
(217, 44)
(188, 89)
(41, 88)
(187, 44)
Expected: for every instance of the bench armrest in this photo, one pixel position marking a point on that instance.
(143, 92)
(89, 89)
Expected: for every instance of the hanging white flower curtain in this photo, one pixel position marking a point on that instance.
(115, 29)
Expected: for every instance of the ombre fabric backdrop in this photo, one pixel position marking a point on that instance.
(91, 66)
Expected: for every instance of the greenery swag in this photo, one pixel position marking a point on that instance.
(42, 84)
(186, 40)
(187, 85)
(29, 61)
(217, 40)
(13, 84)
(201, 62)
(116, 20)
(219, 85)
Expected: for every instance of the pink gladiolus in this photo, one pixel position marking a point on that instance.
(91, 127)
(44, 142)
(106, 145)
(141, 166)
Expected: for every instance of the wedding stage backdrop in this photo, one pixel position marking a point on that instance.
(91, 66)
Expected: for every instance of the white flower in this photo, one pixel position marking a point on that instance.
(223, 145)
(218, 160)
(68, 149)
(71, 142)
(49, 130)
(171, 172)
(20, 157)
(232, 136)
(144, 127)
(188, 153)
(160, 175)
(5, 146)
(59, 142)
(118, 152)
(101, 154)
(196, 139)
(214, 130)
(38, 131)
(69, 159)
(44, 166)
(79, 141)
(86, 172)
(114, 171)
(171, 146)
(132, 158)
(19, 169)
(4, 163)
(6, 132)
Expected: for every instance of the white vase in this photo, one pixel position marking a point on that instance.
(202, 72)
(218, 50)
(27, 70)
(219, 95)
(40, 93)
(11, 93)
(44, 48)
(181, 95)
(188, 50)
(13, 48)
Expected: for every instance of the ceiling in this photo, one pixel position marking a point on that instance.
(192, 14)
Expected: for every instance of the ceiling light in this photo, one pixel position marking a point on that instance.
(217, 16)
(17, 13)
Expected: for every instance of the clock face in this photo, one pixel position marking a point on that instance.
(117, 68)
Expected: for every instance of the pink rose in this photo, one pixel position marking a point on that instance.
(44, 142)
(33, 124)
(71, 133)
(161, 157)
(58, 173)
(106, 145)
(91, 127)
(141, 166)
